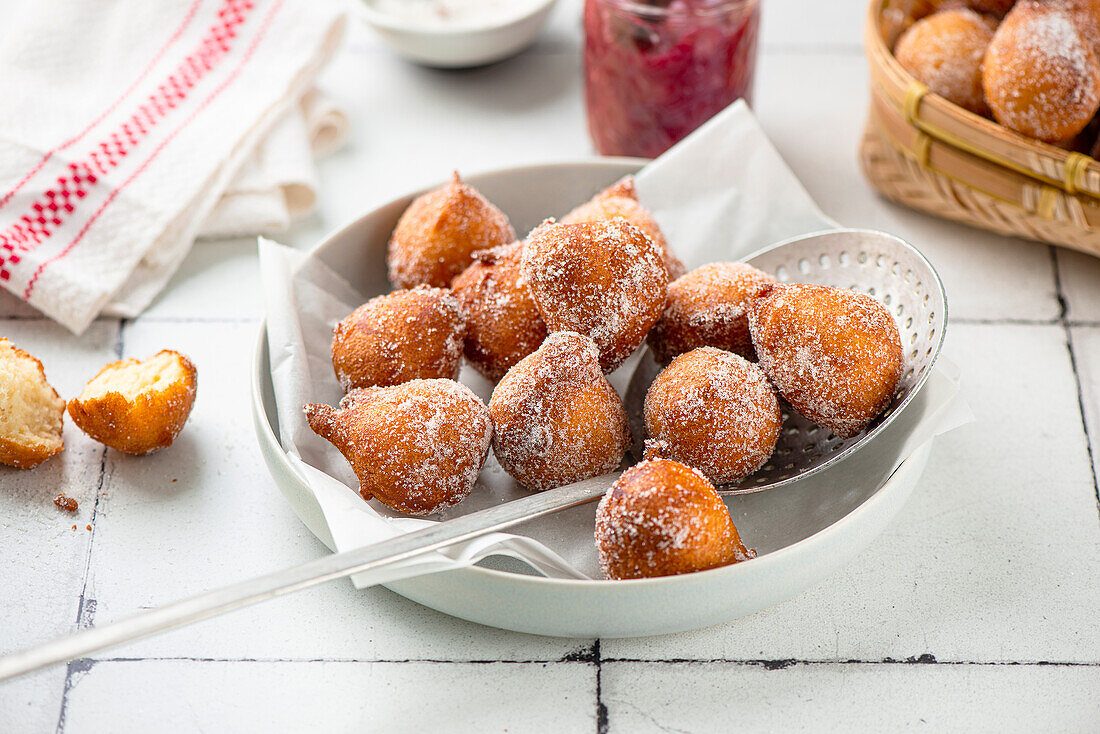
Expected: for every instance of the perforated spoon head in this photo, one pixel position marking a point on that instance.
(898, 276)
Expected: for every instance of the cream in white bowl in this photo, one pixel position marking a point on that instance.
(457, 33)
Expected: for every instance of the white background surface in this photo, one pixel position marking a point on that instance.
(977, 610)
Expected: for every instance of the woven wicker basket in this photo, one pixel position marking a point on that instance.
(922, 151)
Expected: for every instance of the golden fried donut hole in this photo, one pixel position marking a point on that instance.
(995, 8)
(663, 518)
(503, 324)
(945, 52)
(138, 406)
(621, 200)
(899, 15)
(1040, 76)
(708, 307)
(715, 411)
(404, 335)
(440, 231)
(416, 447)
(835, 355)
(603, 279)
(557, 418)
(31, 411)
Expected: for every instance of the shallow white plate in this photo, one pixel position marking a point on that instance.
(802, 536)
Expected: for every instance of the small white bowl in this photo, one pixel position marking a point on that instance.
(461, 46)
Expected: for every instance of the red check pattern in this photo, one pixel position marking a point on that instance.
(55, 205)
(187, 18)
(111, 197)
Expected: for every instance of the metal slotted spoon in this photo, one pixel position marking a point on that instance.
(898, 276)
(881, 265)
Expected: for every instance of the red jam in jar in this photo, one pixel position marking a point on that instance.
(657, 69)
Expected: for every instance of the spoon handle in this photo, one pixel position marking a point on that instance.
(335, 566)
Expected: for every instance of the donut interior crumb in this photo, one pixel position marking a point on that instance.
(31, 415)
(131, 378)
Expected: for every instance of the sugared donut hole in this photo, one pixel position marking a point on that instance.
(603, 279)
(405, 335)
(835, 355)
(416, 447)
(708, 307)
(503, 324)
(557, 419)
(662, 518)
(1041, 78)
(440, 231)
(621, 200)
(945, 51)
(714, 411)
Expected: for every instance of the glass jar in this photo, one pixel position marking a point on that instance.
(657, 69)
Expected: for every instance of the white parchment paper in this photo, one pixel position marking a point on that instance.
(721, 194)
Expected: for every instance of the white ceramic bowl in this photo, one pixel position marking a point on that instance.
(461, 46)
(803, 536)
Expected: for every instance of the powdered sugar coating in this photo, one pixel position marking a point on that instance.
(835, 355)
(405, 335)
(708, 307)
(439, 233)
(503, 323)
(416, 447)
(557, 418)
(945, 52)
(662, 518)
(1040, 77)
(621, 200)
(715, 411)
(603, 279)
(1086, 16)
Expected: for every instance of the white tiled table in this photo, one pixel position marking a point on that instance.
(977, 610)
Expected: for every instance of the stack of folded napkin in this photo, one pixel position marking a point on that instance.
(128, 129)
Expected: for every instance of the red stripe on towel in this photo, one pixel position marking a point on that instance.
(114, 105)
(56, 204)
(213, 95)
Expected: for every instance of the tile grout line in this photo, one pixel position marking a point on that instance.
(1084, 420)
(583, 659)
(601, 707)
(925, 659)
(589, 658)
(85, 610)
(1066, 328)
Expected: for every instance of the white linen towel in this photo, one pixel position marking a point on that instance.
(130, 127)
